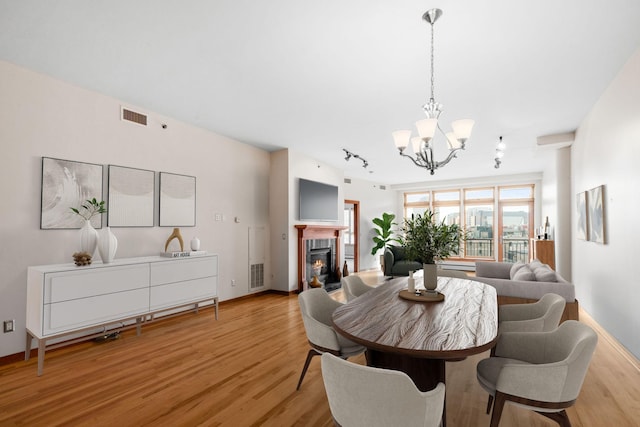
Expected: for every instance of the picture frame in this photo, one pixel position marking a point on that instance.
(177, 200)
(132, 197)
(582, 231)
(595, 201)
(68, 184)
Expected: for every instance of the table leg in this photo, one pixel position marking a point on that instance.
(425, 373)
(27, 351)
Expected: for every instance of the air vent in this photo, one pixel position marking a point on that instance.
(347, 180)
(383, 187)
(256, 280)
(132, 116)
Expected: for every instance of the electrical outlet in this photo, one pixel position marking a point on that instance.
(233, 283)
(9, 326)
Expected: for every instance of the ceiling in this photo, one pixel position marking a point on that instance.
(320, 76)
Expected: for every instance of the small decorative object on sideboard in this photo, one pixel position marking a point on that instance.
(88, 234)
(195, 244)
(175, 235)
(82, 258)
(107, 245)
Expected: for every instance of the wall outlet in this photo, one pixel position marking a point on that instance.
(233, 282)
(9, 326)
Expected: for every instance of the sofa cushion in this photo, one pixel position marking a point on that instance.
(514, 269)
(524, 273)
(543, 272)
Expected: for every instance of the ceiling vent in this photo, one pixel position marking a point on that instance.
(383, 187)
(132, 116)
(347, 180)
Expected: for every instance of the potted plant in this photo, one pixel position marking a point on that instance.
(384, 234)
(428, 241)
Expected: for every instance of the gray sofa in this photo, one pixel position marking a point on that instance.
(396, 263)
(522, 283)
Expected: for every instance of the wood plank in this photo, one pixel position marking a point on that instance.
(243, 370)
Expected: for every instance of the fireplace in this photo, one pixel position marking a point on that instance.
(318, 254)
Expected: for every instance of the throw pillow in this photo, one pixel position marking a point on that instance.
(544, 273)
(524, 274)
(514, 269)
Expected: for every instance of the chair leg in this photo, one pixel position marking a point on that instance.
(497, 409)
(310, 355)
(560, 417)
(489, 403)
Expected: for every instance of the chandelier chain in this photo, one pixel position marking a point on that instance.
(432, 67)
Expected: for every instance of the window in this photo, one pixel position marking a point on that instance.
(498, 220)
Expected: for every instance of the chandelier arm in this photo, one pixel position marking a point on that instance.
(452, 154)
(416, 161)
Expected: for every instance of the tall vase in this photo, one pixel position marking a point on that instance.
(430, 276)
(88, 238)
(107, 245)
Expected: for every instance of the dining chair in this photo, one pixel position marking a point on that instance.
(366, 396)
(317, 308)
(353, 287)
(541, 371)
(541, 316)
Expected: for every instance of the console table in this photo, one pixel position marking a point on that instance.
(65, 299)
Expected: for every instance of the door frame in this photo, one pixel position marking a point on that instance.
(356, 233)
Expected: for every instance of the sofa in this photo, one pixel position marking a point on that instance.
(396, 262)
(519, 283)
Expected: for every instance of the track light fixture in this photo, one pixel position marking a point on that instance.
(499, 153)
(349, 155)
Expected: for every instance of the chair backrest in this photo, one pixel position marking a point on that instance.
(573, 343)
(353, 287)
(365, 396)
(541, 316)
(551, 308)
(317, 307)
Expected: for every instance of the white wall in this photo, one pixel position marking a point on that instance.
(606, 152)
(373, 202)
(41, 116)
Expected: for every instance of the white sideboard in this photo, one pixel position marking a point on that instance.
(65, 299)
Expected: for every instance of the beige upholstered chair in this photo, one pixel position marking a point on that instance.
(541, 316)
(317, 307)
(353, 287)
(365, 396)
(542, 371)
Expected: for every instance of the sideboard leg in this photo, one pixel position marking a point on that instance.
(138, 326)
(42, 345)
(27, 350)
(216, 304)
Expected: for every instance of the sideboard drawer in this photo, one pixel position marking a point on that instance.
(71, 285)
(187, 269)
(97, 310)
(182, 293)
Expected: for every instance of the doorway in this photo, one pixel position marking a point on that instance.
(352, 234)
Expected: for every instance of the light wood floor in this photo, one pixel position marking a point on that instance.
(242, 370)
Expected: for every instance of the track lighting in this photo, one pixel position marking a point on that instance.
(349, 155)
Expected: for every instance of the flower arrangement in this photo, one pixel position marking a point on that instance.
(428, 241)
(90, 209)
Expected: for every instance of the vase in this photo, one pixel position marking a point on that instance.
(195, 244)
(430, 276)
(107, 245)
(411, 283)
(88, 238)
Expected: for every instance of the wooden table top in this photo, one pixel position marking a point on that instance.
(465, 323)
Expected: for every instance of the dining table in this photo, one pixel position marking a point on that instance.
(405, 332)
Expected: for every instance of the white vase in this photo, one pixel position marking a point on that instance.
(107, 245)
(411, 283)
(195, 244)
(430, 275)
(88, 238)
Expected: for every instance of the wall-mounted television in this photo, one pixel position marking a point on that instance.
(318, 201)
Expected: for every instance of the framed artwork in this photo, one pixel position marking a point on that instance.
(582, 232)
(67, 184)
(177, 200)
(131, 197)
(595, 202)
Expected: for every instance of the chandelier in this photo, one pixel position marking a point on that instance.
(422, 145)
